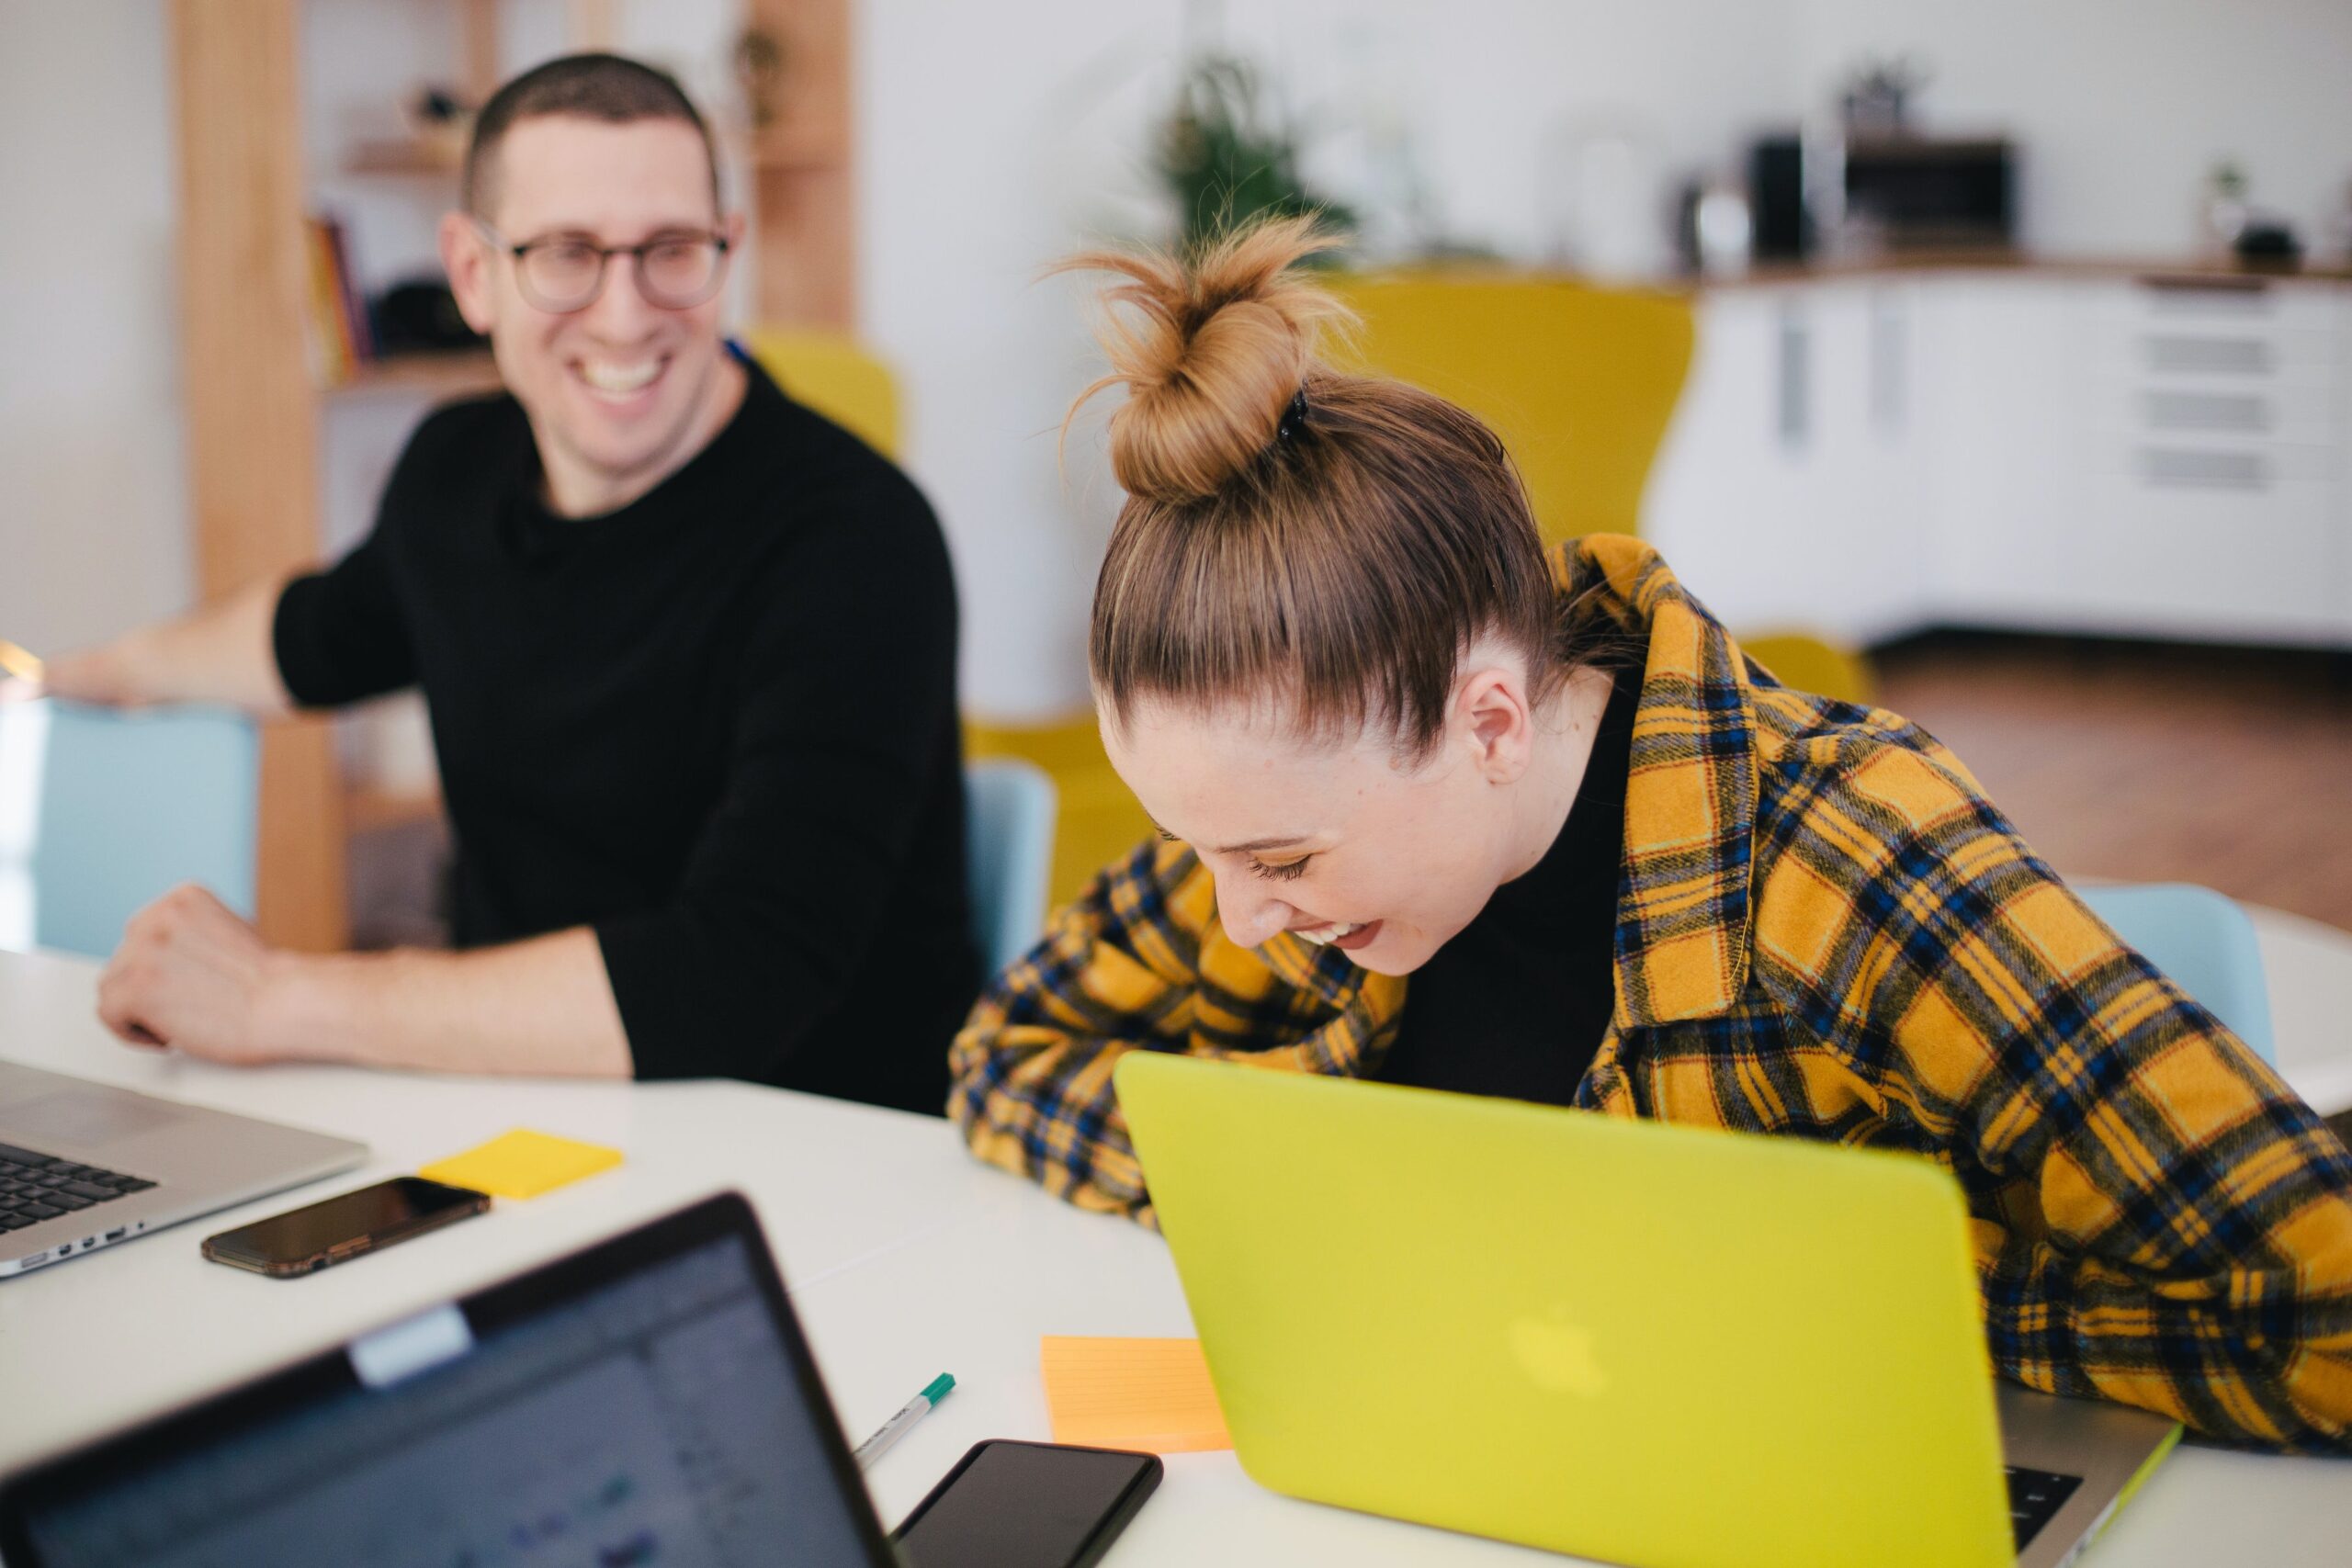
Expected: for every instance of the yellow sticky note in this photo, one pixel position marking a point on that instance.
(521, 1164)
(1153, 1394)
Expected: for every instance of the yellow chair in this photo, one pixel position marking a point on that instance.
(1810, 664)
(830, 373)
(1579, 381)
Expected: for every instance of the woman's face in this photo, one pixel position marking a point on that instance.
(1340, 841)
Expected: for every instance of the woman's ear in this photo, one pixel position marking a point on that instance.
(1491, 716)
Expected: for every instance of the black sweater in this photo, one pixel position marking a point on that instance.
(1516, 1004)
(718, 725)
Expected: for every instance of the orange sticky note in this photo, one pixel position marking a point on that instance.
(1153, 1394)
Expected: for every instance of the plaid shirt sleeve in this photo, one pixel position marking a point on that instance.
(1141, 963)
(1032, 1069)
(2159, 1220)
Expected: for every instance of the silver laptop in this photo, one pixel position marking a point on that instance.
(86, 1164)
(2071, 1463)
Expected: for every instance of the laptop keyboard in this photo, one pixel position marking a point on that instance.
(36, 1187)
(2035, 1497)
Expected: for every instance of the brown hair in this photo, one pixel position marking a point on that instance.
(610, 88)
(1342, 539)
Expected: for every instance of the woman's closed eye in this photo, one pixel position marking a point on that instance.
(1284, 871)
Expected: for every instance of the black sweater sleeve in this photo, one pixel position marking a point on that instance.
(340, 636)
(845, 701)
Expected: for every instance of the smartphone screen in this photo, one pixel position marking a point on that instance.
(1037, 1504)
(343, 1226)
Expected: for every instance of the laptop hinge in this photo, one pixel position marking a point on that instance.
(410, 1346)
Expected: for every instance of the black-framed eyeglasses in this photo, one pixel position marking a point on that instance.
(676, 270)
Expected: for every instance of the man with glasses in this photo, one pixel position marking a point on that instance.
(689, 651)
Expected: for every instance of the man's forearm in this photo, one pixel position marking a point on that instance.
(221, 653)
(540, 1007)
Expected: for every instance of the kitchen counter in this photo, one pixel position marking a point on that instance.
(2184, 270)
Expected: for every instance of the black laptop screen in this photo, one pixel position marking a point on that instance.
(658, 1420)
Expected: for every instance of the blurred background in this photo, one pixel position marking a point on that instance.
(1992, 361)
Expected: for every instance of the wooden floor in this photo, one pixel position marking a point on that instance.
(2151, 762)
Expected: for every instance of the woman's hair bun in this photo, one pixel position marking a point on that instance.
(1211, 347)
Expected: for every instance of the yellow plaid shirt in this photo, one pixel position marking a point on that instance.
(1824, 930)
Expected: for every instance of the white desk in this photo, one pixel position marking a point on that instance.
(905, 1258)
(156, 1324)
(2309, 968)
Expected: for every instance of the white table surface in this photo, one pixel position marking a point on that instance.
(834, 1183)
(905, 1259)
(2309, 968)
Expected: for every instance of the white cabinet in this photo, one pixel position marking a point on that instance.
(2340, 615)
(1999, 457)
(1731, 480)
(2212, 475)
(1865, 454)
(1864, 457)
(1787, 494)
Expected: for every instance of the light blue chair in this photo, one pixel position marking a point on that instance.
(2203, 942)
(1009, 847)
(103, 812)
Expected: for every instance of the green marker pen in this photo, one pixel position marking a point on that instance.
(898, 1425)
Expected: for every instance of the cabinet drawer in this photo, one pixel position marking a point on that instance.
(2217, 560)
(2143, 408)
(2161, 461)
(2225, 304)
(2219, 355)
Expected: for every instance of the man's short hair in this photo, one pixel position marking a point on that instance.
(593, 86)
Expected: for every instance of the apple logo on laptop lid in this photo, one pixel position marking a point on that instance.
(1557, 1353)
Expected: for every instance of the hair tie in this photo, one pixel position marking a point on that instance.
(1293, 418)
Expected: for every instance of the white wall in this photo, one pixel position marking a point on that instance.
(93, 531)
(1491, 99)
(993, 140)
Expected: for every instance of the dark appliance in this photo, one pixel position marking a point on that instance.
(1777, 197)
(1921, 192)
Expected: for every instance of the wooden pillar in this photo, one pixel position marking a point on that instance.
(594, 25)
(803, 190)
(252, 409)
(477, 30)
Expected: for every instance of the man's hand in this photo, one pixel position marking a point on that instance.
(105, 676)
(191, 973)
(221, 654)
(20, 674)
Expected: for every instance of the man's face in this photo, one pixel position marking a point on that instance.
(622, 392)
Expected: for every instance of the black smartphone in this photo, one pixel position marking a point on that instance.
(1012, 1504)
(301, 1241)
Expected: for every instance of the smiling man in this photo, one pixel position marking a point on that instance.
(689, 651)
